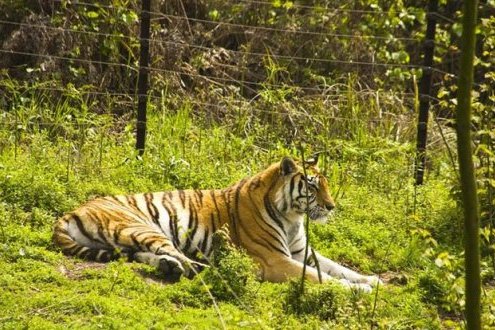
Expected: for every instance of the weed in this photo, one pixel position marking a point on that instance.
(324, 301)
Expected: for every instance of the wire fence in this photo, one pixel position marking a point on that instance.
(327, 94)
(236, 52)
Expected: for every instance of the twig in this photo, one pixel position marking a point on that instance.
(451, 154)
(377, 287)
(215, 305)
(306, 225)
(317, 264)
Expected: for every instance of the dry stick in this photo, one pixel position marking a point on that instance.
(372, 324)
(187, 18)
(100, 154)
(68, 157)
(378, 286)
(306, 225)
(16, 133)
(317, 264)
(449, 151)
(215, 305)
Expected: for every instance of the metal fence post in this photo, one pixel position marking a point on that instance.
(425, 92)
(143, 75)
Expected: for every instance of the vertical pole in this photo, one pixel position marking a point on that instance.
(425, 91)
(466, 168)
(143, 75)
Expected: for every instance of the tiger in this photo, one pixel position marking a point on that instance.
(173, 230)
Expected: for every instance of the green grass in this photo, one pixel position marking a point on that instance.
(382, 225)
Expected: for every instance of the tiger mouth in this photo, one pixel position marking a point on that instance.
(318, 214)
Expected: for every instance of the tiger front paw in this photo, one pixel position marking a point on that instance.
(366, 288)
(372, 280)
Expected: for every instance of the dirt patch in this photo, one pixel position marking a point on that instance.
(76, 270)
(154, 277)
(394, 278)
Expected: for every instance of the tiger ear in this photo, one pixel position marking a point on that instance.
(312, 161)
(287, 166)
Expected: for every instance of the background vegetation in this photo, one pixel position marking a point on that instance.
(235, 87)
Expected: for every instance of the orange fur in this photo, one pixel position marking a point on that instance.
(172, 229)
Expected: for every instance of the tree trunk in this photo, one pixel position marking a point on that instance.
(466, 168)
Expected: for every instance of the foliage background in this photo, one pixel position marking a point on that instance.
(235, 87)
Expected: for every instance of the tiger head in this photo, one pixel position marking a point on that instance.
(300, 194)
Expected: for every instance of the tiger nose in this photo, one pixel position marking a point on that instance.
(329, 206)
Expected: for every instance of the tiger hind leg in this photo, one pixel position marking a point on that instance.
(136, 241)
(156, 249)
(73, 247)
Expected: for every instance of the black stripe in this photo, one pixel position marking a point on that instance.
(204, 244)
(255, 183)
(272, 212)
(193, 222)
(214, 198)
(199, 196)
(135, 208)
(172, 214)
(264, 244)
(182, 197)
(131, 200)
(80, 226)
(280, 239)
(93, 253)
(84, 254)
(225, 196)
(135, 241)
(271, 234)
(166, 244)
(105, 256)
(116, 234)
(236, 216)
(299, 238)
(76, 249)
(99, 223)
(145, 232)
(291, 187)
(113, 198)
(212, 220)
(105, 225)
(297, 251)
(152, 210)
(151, 239)
(102, 235)
(313, 185)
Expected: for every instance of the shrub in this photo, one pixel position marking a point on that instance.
(320, 300)
(232, 275)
